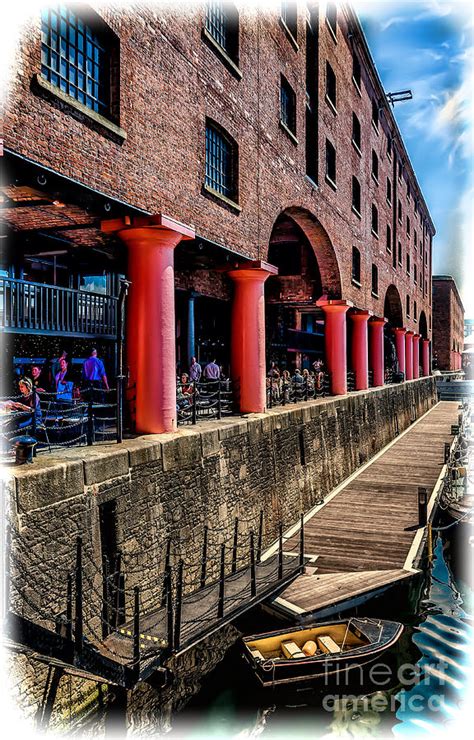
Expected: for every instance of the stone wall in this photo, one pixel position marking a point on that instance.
(170, 486)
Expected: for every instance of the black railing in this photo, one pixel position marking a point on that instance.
(282, 391)
(47, 308)
(196, 401)
(351, 381)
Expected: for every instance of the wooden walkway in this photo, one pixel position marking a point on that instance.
(366, 536)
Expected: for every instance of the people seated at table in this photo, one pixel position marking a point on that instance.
(30, 402)
(184, 392)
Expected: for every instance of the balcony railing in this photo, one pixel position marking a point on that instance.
(48, 309)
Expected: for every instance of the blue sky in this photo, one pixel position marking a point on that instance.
(428, 47)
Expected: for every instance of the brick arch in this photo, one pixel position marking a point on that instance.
(322, 248)
(392, 307)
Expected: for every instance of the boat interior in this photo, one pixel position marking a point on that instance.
(332, 638)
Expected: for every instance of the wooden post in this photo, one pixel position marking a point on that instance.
(105, 596)
(280, 552)
(78, 622)
(220, 605)
(69, 607)
(302, 540)
(136, 629)
(204, 557)
(253, 572)
(169, 607)
(260, 537)
(236, 544)
(179, 604)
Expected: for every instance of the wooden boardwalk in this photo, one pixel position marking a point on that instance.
(366, 536)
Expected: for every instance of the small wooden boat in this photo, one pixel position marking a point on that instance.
(318, 650)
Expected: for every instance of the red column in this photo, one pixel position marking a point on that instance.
(400, 347)
(409, 355)
(151, 241)
(426, 357)
(248, 334)
(359, 349)
(335, 342)
(416, 356)
(376, 349)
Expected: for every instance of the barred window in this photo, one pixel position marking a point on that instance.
(222, 24)
(77, 56)
(287, 105)
(221, 162)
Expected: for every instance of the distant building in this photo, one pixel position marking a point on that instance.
(448, 324)
(468, 327)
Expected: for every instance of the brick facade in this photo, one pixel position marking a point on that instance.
(171, 80)
(448, 323)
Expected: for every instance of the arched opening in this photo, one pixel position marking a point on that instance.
(393, 312)
(423, 326)
(307, 270)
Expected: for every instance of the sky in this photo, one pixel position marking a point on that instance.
(428, 47)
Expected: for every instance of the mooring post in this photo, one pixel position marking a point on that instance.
(69, 607)
(260, 537)
(136, 629)
(422, 506)
(447, 450)
(280, 551)
(235, 545)
(220, 605)
(253, 571)
(302, 540)
(204, 557)
(169, 607)
(105, 596)
(167, 565)
(78, 622)
(179, 605)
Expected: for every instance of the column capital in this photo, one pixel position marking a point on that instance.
(257, 271)
(416, 336)
(410, 333)
(360, 313)
(334, 306)
(378, 320)
(399, 330)
(156, 221)
(427, 341)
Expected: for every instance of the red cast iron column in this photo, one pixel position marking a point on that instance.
(376, 349)
(151, 352)
(416, 356)
(409, 355)
(248, 334)
(400, 347)
(335, 342)
(359, 349)
(426, 357)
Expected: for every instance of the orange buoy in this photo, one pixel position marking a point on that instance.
(309, 648)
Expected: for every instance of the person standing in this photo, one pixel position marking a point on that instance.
(93, 372)
(212, 371)
(195, 370)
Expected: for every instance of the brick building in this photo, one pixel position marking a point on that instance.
(267, 140)
(448, 324)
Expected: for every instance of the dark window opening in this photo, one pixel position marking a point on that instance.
(415, 274)
(375, 280)
(408, 306)
(400, 262)
(375, 219)
(408, 264)
(375, 166)
(389, 239)
(221, 162)
(356, 194)
(330, 84)
(375, 113)
(289, 16)
(355, 265)
(331, 16)
(408, 226)
(389, 191)
(399, 212)
(312, 66)
(389, 148)
(222, 24)
(356, 70)
(330, 162)
(356, 138)
(287, 105)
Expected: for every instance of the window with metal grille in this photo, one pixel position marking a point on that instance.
(289, 16)
(222, 24)
(356, 195)
(330, 162)
(375, 280)
(221, 162)
(355, 131)
(355, 265)
(76, 57)
(287, 105)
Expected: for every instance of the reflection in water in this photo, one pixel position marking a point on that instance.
(418, 688)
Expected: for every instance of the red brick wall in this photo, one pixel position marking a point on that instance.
(448, 324)
(169, 81)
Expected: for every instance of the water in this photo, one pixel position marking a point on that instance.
(417, 689)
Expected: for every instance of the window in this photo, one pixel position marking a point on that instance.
(375, 280)
(389, 148)
(287, 106)
(415, 238)
(415, 274)
(408, 264)
(221, 162)
(408, 226)
(389, 239)
(222, 25)
(408, 306)
(356, 131)
(400, 170)
(375, 114)
(78, 57)
(399, 212)
(331, 17)
(355, 265)
(375, 166)
(356, 195)
(399, 253)
(415, 311)
(356, 70)
(389, 191)
(330, 162)
(330, 85)
(408, 191)
(375, 220)
(289, 16)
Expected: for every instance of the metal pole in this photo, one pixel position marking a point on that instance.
(90, 418)
(283, 400)
(117, 577)
(194, 406)
(447, 450)
(33, 418)
(179, 603)
(220, 605)
(69, 607)
(236, 544)
(260, 537)
(280, 551)
(78, 624)
(124, 285)
(8, 547)
(219, 408)
(167, 565)
(169, 607)
(302, 540)
(136, 629)
(105, 596)
(204, 557)
(253, 572)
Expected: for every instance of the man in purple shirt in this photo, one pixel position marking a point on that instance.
(195, 370)
(212, 371)
(94, 372)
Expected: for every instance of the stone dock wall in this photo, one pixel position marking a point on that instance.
(167, 487)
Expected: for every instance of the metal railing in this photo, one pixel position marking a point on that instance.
(210, 399)
(281, 391)
(48, 308)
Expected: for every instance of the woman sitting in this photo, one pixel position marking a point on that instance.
(30, 402)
